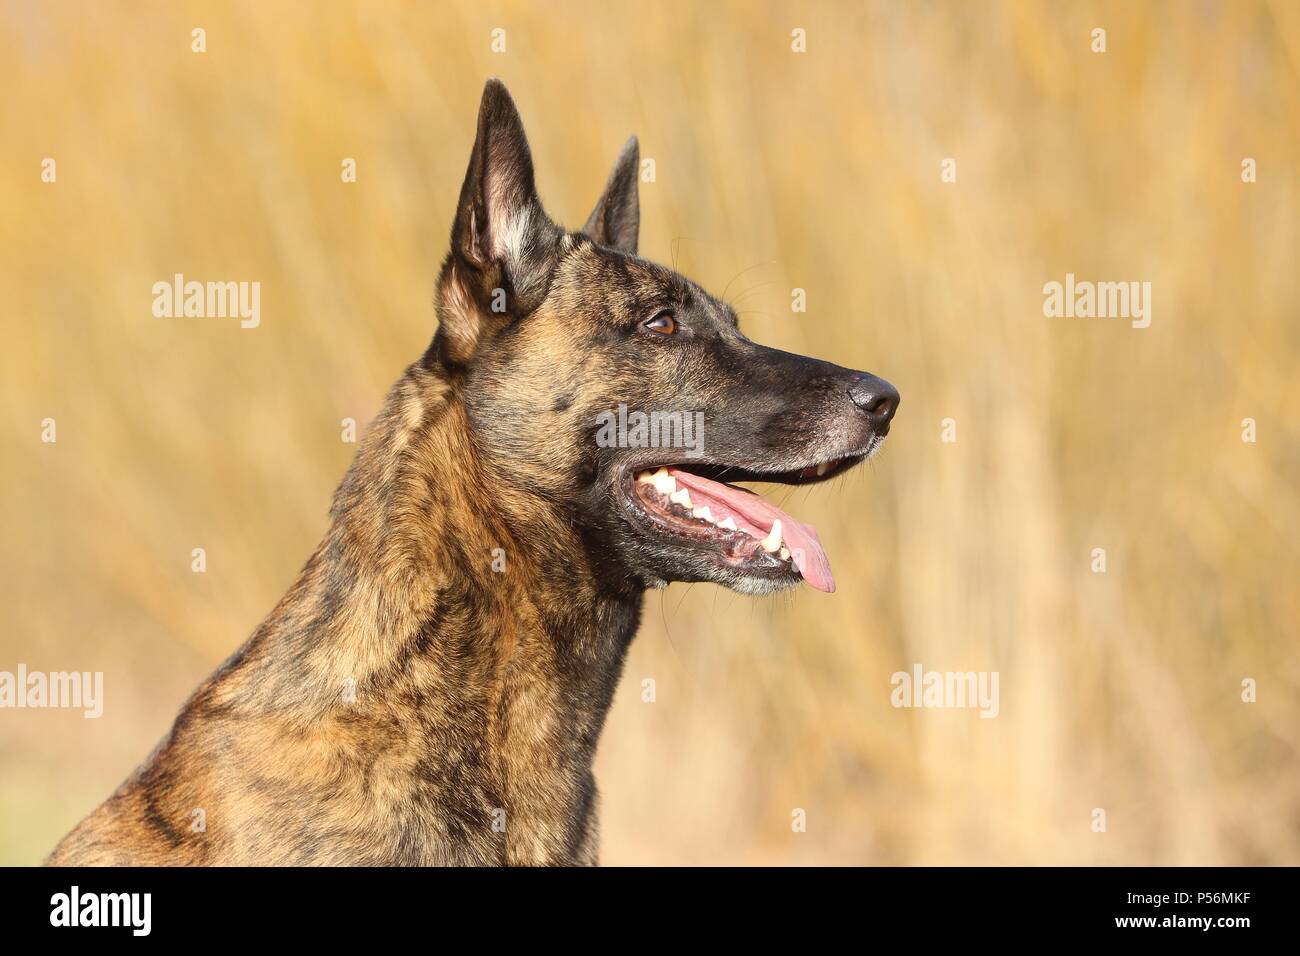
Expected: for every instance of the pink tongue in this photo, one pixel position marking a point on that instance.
(755, 516)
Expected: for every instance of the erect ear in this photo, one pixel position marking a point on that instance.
(617, 216)
(502, 243)
(500, 224)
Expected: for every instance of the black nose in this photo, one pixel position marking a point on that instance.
(876, 397)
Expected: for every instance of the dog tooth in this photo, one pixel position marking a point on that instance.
(728, 523)
(785, 554)
(773, 539)
(823, 468)
(681, 497)
(664, 483)
(703, 513)
(645, 478)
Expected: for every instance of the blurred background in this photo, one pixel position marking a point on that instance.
(774, 170)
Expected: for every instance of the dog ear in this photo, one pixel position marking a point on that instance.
(617, 216)
(502, 242)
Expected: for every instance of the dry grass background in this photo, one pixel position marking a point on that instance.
(775, 170)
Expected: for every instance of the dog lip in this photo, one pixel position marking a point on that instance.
(797, 471)
(755, 469)
(801, 555)
(676, 501)
(738, 549)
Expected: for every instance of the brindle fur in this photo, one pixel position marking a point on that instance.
(406, 702)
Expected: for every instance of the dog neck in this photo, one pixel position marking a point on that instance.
(422, 517)
(490, 641)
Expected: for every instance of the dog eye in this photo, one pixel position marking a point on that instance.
(663, 323)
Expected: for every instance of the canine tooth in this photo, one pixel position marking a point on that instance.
(703, 513)
(728, 523)
(681, 497)
(773, 539)
(645, 478)
(785, 554)
(823, 468)
(664, 483)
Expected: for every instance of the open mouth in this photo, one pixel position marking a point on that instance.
(691, 506)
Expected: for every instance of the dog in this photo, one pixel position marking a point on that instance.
(432, 687)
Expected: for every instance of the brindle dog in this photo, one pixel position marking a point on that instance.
(432, 687)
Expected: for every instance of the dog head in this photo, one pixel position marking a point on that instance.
(623, 394)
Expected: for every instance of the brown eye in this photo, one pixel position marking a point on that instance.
(663, 323)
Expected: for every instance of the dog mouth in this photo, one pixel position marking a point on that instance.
(693, 508)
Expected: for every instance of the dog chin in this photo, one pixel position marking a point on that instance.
(740, 583)
(758, 587)
(704, 572)
(752, 585)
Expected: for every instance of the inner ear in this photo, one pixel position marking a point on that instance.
(616, 219)
(501, 233)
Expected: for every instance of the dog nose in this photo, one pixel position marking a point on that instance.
(876, 397)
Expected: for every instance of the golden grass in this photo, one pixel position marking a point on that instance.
(774, 170)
